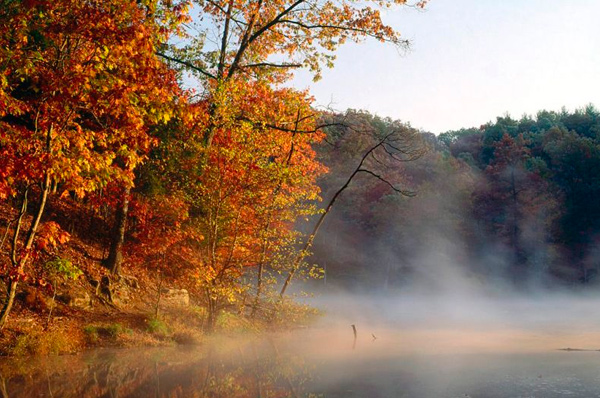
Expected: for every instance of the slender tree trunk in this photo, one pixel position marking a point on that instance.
(304, 251)
(159, 294)
(51, 305)
(515, 218)
(3, 390)
(266, 229)
(224, 42)
(115, 255)
(38, 217)
(261, 266)
(19, 263)
(8, 303)
(211, 318)
(259, 285)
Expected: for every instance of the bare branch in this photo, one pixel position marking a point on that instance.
(186, 63)
(359, 169)
(289, 129)
(270, 65)
(414, 155)
(221, 67)
(389, 184)
(374, 156)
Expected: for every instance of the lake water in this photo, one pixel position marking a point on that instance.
(435, 350)
(317, 363)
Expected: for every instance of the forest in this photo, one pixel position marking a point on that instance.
(510, 201)
(152, 152)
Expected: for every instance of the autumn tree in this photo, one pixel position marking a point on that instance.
(80, 81)
(515, 203)
(237, 47)
(257, 181)
(258, 40)
(162, 212)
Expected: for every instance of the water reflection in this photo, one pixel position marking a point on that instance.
(238, 370)
(322, 362)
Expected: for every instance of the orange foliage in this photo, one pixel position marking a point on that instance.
(80, 82)
(259, 177)
(79, 85)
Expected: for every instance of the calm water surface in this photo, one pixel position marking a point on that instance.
(321, 362)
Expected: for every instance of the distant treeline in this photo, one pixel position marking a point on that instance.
(512, 199)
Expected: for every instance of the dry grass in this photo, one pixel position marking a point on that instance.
(33, 339)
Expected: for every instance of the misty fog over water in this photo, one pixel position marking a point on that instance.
(490, 344)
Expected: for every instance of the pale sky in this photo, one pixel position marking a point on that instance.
(470, 61)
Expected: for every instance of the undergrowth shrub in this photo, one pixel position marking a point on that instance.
(33, 341)
(157, 326)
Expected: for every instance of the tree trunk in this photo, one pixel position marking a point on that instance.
(261, 266)
(515, 230)
(115, 255)
(265, 231)
(309, 241)
(259, 283)
(159, 294)
(304, 251)
(211, 318)
(19, 264)
(8, 303)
